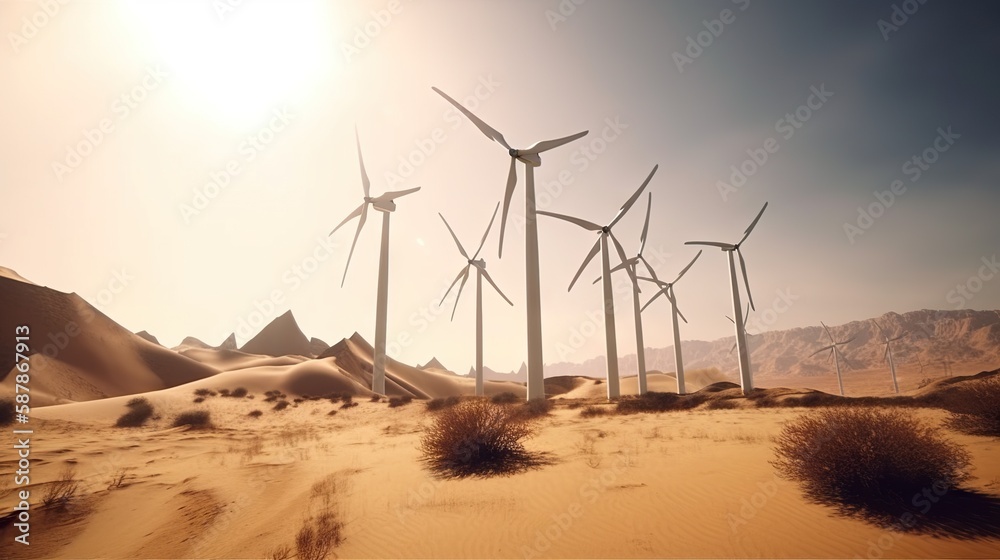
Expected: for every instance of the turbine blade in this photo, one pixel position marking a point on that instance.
(635, 196)
(879, 327)
(848, 341)
(457, 278)
(673, 301)
(645, 224)
(727, 246)
(508, 192)
(753, 224)
(357, 233)
(486, 129)
(354, 214)
(455, 237)
(823, 349)
(586, 261)
(885, 355)
(465, 276)
(827, 329)
(900, 337)
(690, 264)
(578, 221)
(730, 319)
(487, 232)
(365, 183)
(648, 268)
(627, 262)
(392, 195)
(621, 253)
(486, 275)
(547, 145)
(652, 299)
(733, 348)
(746, 281)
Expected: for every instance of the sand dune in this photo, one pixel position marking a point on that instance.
(78, 353)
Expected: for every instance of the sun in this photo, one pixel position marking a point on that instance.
(237, 60)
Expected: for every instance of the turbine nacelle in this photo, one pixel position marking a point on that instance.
(526, 156)
(480, 263)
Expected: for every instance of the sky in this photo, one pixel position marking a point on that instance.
(180, 164)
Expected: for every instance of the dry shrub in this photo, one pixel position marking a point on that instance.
(203, 392)
(196, 419)
(400, 401)
(978, 409)
(139, 411)
(283, 552)
(348, 404)
(61, 491)
(534, 408)
(653, 401)
(255, 414)
(238, 393)
(224, 392)
(505, 398)
(867, 459)
(574, 405)
(592, 411)
(198, 400)
(721, 404)
(280, 405)
(477, 438)
(318, 536)
(440, 403)
(6, 411)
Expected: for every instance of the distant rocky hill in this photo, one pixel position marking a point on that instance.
(932, 337)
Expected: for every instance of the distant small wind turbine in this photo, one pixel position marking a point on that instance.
(746, 379)
(834, 349)
(480, 274)
(745, 318)
(531, 159)
(667, 290)
(888, 353)
(385, 204)
(601, 245)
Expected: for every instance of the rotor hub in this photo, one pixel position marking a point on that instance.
(606, 230)
(512, 152)
(368, 199)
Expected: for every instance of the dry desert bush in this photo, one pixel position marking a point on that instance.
(505, 398)
(653, 401)
(62, 490)
(318, 536)
(139, 411)
(534, 408)
(978, 409)
(591, 411)
(255, 414)
(400, 401)
(196, 419)
(866, 458)
(6, 411)
(280, 405)
(441, 403)
(477, 438)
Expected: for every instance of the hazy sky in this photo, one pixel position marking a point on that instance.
(179, 163)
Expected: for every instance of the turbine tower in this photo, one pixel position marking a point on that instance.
(531, 159)
(746, 379)
(481, 273)
(385, 204)
(614, 389)
(834, 349)
(749, 336)
(667, 290)
(888, 353)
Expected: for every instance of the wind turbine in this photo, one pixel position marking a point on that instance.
(385, 204)
(834, 349)
(746, 379)
(667, 290)
(632, 265)
(481, 273)
(888, 353)
(601, 245)
(531, 159)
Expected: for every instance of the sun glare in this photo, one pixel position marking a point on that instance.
(237, 60)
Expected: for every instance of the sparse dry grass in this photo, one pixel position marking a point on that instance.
(400, 401)
(592, 411)
(978, 411)
(195, 419)
(318, 537)
(60, 492)
(440, 403)
(653, 401)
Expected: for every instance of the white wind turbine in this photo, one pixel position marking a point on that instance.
(383, 203)
(749, 336)
(746, 379)
(632, 265)
(834, 349)
(481, 273)
(601, 245)
(667, 290)
(531, 159)
(888, 353)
